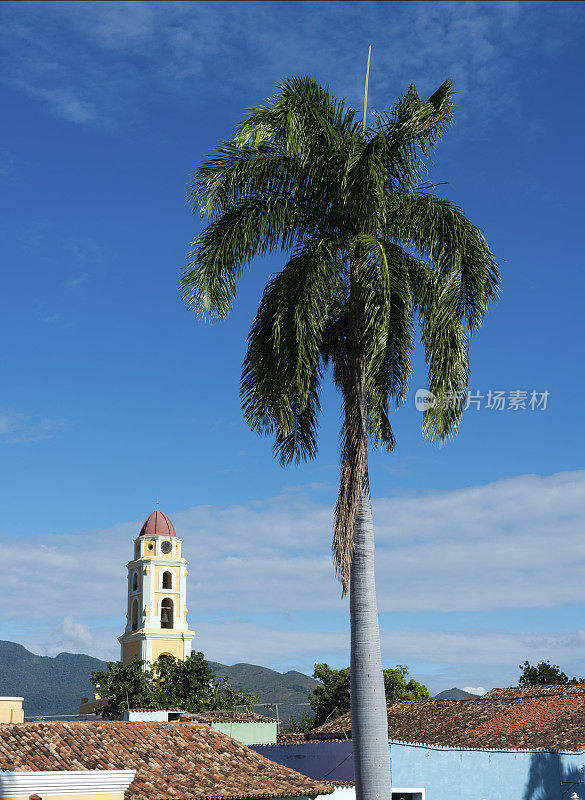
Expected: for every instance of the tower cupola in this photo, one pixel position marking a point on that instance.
(156, 620)
(157, 524)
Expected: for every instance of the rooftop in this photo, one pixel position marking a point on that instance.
(224, 715)
(290, 738)
(536, 691)
(180, 760)
(157, 524)
(503, 719)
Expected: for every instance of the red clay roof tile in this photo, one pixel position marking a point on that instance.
(183, 760)
(224, 715)
(504, 719)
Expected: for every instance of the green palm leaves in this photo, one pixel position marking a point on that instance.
(371, 261)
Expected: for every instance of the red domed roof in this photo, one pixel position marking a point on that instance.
(158, 524)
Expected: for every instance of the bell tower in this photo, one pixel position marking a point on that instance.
(157, 598)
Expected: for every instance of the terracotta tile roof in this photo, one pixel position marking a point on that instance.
(223, 715)
(290, 738)
(536, 691)
(185, 761)
(543, 720)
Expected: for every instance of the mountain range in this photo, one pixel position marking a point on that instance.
(50, 686)
(456, 694)
(54, 686)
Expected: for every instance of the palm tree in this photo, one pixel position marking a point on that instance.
(372, 253)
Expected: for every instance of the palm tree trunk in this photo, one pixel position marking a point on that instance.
(369, 721)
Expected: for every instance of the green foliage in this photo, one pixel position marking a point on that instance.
(545, 674)
(372, 253)
(169, 684)
(303, 724)
(331, 697)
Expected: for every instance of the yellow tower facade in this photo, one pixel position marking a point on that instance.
(157, 595)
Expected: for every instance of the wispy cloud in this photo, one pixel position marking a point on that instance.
(474, 689)
(258, 566)
(440, 659)
(94, 62)
(70, 261)
(25, 429)
(76, 280)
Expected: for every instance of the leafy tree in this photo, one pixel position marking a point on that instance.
(303, 725)
(332, 697)
(372, 254)
(170, 683)
(545, 674)
(123, 685)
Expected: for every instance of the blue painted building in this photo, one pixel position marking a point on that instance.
(512, 744)
(445, 773)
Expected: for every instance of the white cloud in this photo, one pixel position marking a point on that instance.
(76, 280)
(91, 62)
(24, 429)
(486, 547)
(439, 659)
(516, 543)
(68, 636)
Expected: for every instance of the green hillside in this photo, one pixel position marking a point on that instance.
(54, 686)
(50, 686)
(455, 694)
(289, 689)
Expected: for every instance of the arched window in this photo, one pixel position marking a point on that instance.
(135, 615)
(167, 582)
(135, 582)
(166, 613)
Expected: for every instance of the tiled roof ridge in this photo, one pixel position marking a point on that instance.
(546, 721)
(541, 690)
(185, 760)
(408, 743)
(282, 739)
(463, 703)
(230, 716)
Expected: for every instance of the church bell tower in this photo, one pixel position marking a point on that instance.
(157, 597)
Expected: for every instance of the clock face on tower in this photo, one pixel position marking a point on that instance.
(166, 547)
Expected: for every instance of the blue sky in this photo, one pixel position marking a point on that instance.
(113, 394)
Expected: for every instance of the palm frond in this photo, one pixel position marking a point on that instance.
(300, 443)
(365, 185)
(302, 117)
(390, 347)
(246, 229)
(412, 129)
(235, 173)
(446, 350)
(440, 231)
(281, 371)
